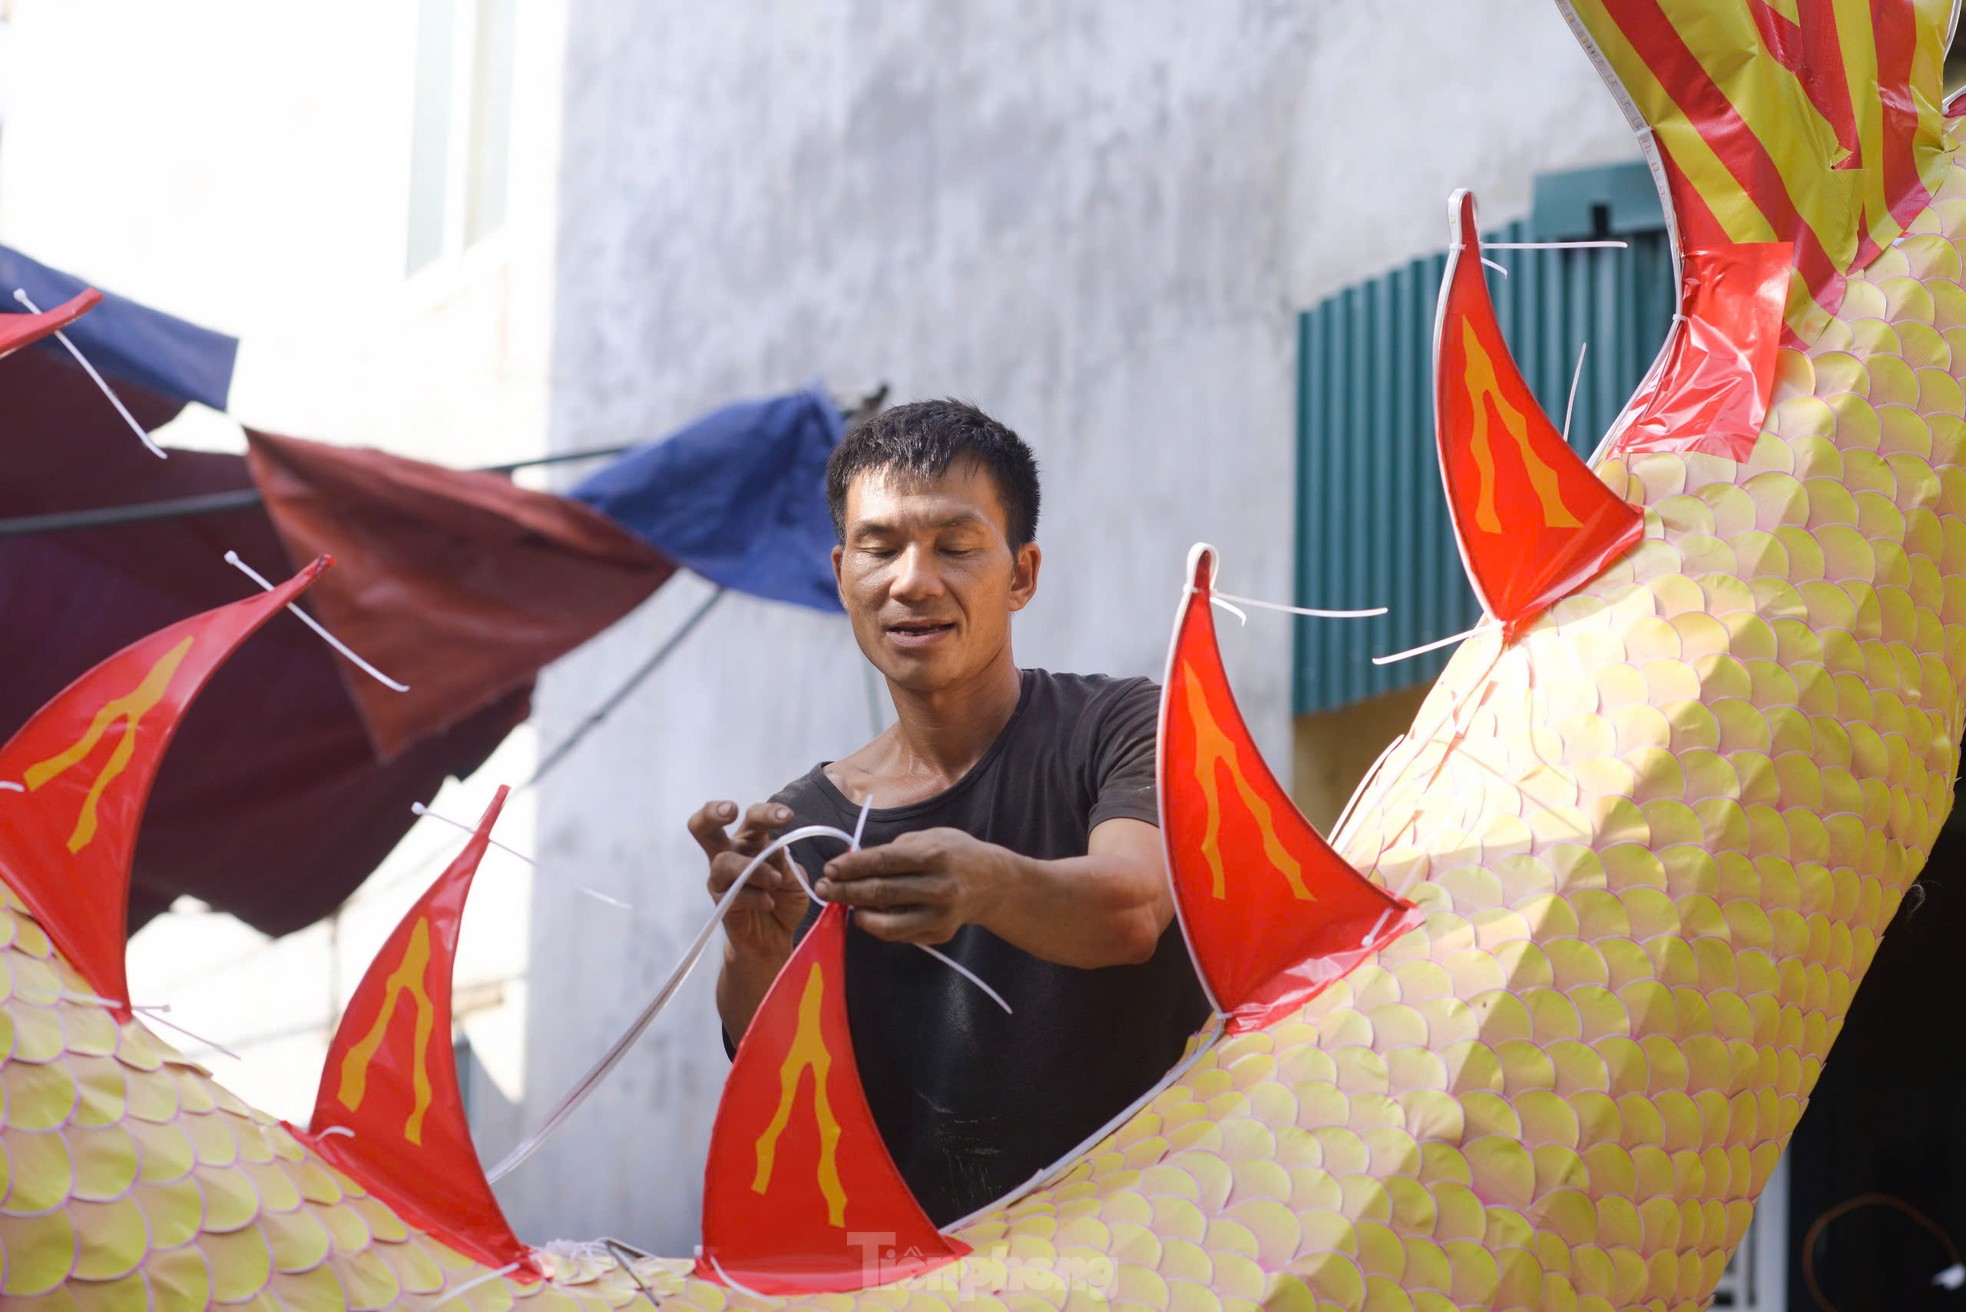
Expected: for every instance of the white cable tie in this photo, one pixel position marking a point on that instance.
(729, 1279)
(173, 1025)
(328, 1131)
(89, 369)
(419, 808)
(1556, 245)
(8, 785)
(1952, 1277)
(232, 559)
(1377, 925)
(1426, 647)
(1317, 613)
(967, 974)
(1576, 378)
(1237, 611)
(475, 1281)
(1491, 264)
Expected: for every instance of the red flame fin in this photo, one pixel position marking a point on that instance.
(18, 330)
(1271, 913)
(80, 772)
(391, 1079)
(1533, 522)
(800, 1195)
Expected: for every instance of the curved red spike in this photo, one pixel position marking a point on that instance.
(1532, 521)
(18, 330)
(74, 779)
(391, 1079)
(1271, 913)
(800, 1195)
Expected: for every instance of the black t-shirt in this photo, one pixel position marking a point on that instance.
(973, 1102)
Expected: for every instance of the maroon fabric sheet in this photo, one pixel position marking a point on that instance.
(272, 803)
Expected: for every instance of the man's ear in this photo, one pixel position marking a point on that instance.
(839, 554)
(1024, 575)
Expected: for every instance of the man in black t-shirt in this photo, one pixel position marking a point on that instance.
(1013, 828)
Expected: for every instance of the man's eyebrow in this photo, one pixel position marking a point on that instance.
(961, 519)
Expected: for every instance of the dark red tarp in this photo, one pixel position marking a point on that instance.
(273, 804)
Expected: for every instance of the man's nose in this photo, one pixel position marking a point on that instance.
(916, 575)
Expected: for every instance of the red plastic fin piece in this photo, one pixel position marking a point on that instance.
(18, 330)
(1270, 912)
(74, 779)
(1532, 520)
(1712, 392)
(800, 1195)
(391, 1080)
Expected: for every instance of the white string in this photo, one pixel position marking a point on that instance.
(1555, 245)
(419, 808)
(729, 1279)
(1575, 379)
(97, 378)
(1313, 612)
(150, 1011)
(1491, 264)
(473, 1283)
(329, 1131)
(1426, 647)
(1365, 782)
(10, 786)
(232, 559)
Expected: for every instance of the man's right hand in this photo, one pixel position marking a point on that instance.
(761, 922)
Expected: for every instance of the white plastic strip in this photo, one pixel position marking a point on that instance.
(1491, 264)
(612, 1058)
(329, 1131)
(232, 559)
(1377, 925)
(152, 1011)
(8, 785)
(1555, 245)
(1230, 607)
(731, 1280)
(1365, 782)
(420, 809)
(89, 369)
(1317, 613)
(1426, 647)
(967, 974)
(475, 1281)
(1575, 378)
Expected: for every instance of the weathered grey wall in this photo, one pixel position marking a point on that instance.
(1097, 222)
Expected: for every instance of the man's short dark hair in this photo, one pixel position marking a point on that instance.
(924, 438)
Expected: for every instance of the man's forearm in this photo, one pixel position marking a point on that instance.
(1087, 911)
(741, 988)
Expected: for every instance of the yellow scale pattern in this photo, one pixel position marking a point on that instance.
(1657, 842)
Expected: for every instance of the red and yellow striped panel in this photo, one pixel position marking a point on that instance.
(1811, 121)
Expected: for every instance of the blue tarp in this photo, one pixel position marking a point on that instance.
(162, 354)
(739, 497)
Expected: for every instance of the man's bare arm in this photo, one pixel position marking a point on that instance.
(1106, 908)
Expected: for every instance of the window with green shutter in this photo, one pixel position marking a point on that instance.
(1372, 527)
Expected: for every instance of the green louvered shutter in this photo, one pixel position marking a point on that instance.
(1372, 526)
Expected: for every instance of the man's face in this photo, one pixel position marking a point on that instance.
(927, 574)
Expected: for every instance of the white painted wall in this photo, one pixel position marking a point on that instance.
(1098, 222)
(246, 165)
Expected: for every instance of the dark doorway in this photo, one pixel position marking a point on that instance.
(1889, 1114)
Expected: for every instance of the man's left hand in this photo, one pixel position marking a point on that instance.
(922, 887)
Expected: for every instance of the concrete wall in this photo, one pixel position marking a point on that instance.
(1096, 221)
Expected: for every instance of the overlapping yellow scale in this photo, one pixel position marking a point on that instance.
(40, 1173)
(113, 1238)
(37, 1253)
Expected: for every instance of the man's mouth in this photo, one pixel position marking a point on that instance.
(919, 633)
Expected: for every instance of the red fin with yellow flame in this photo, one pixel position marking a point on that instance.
(391, 1079)
(74, 779)
(18, 330)
(1271, 913)
(800, 1195)
(1532, 521)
